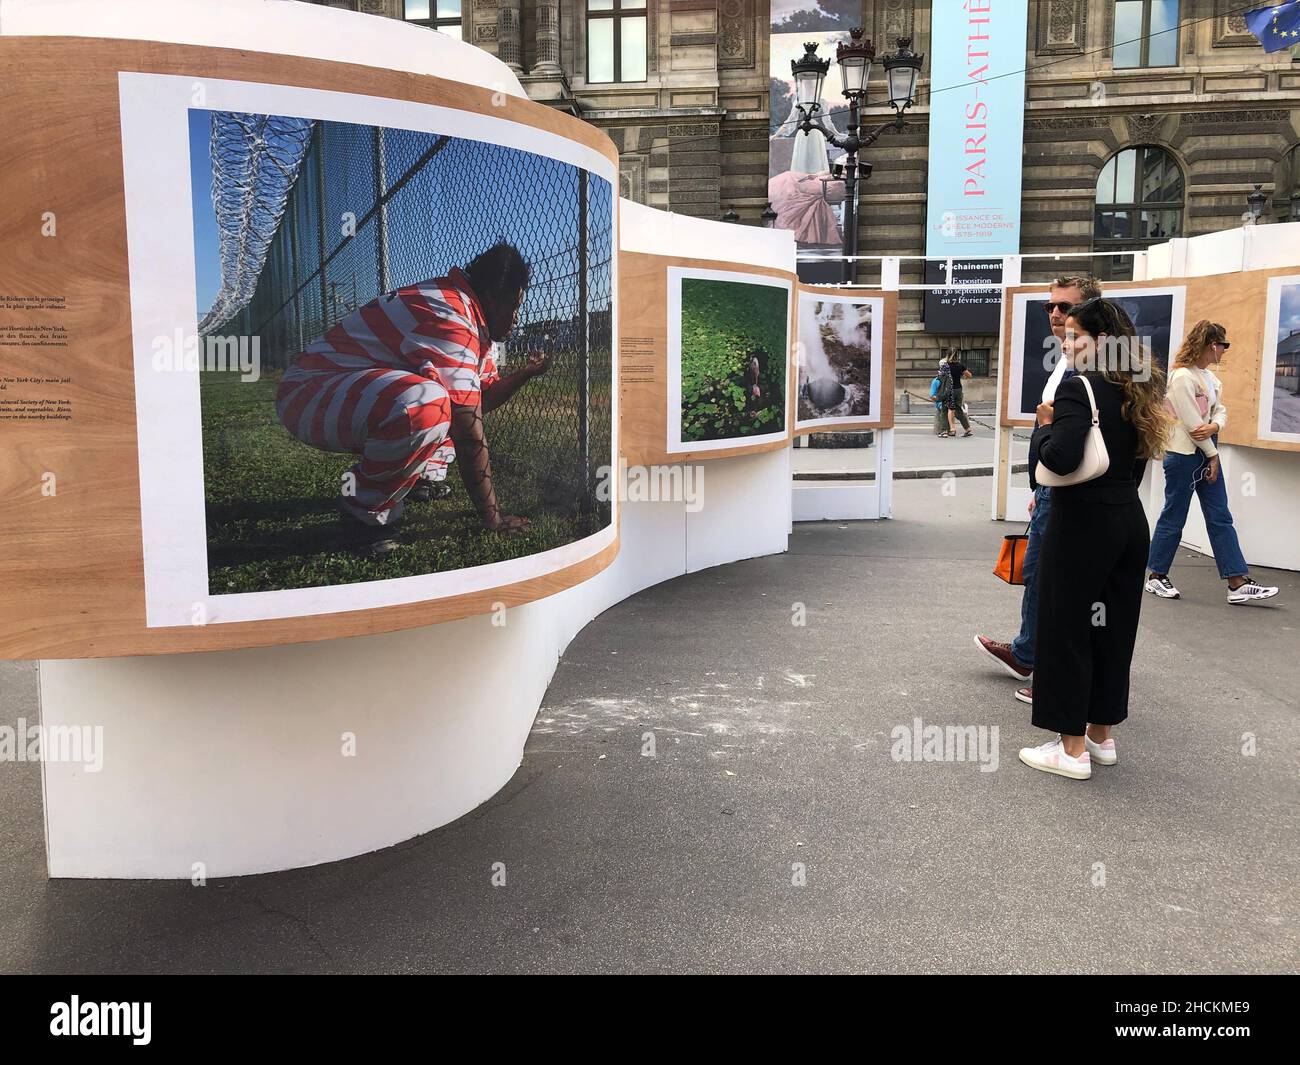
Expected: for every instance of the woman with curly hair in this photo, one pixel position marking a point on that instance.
(1192, 466)
(1094, 551)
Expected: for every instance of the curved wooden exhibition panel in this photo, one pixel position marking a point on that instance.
(155, 503)
(1253, 305)
(102, 531)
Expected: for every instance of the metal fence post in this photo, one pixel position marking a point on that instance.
(584, 359)
(295, 330)
(319, 170)
(381, 218)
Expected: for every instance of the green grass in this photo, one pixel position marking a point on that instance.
(272, 515)
(724, 325)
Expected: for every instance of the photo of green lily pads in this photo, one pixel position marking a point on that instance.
(734, 344)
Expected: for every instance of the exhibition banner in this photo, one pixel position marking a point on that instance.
(963, 310)
(977, 110)
(806, 201)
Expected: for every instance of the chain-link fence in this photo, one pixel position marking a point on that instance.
(374, 209)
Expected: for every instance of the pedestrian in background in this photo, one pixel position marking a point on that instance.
(937, 397)
(956, 402)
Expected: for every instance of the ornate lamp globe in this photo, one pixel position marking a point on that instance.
(855, 57)
(902, 68)
(809, 73)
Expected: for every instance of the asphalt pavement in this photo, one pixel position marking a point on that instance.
(712, 786)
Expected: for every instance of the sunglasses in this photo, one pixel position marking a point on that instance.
(1221, 343)
(1049, 306)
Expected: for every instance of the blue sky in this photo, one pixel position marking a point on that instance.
(207, 261)
(1288, 317)
(472, 194)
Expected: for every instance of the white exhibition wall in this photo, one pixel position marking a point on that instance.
(1263, 485)
(307, 30)
(239, 762)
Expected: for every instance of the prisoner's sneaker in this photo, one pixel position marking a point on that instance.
(1250, 591)
(1051, 758)
(371, 541)
(1025, 695)
(1001, 654)
(1102, 753)
(423, 491)
(1163, 587)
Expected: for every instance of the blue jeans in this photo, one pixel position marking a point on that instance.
(1023, 645)
(1183, 475)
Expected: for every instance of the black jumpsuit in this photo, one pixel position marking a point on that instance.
(1092, 566)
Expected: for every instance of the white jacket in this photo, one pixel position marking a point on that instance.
(1185, 384)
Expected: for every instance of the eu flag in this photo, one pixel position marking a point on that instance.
(1276, 27)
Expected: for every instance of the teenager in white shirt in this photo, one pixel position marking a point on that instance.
(1191, 465)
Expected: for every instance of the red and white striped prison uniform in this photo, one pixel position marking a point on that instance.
(381, 384)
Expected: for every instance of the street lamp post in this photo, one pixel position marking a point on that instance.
(855, 58)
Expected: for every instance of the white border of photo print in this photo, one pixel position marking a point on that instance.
(1268, 365)
(160, 244)
(808, 319)
(675, 277)
(1019, 307)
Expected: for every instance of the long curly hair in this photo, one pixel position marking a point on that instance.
(1127, 361)
(1202, 333)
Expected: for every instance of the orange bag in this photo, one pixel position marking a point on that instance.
(1011, 558)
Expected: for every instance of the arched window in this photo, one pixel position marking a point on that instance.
(1139, 203)
(1286, 187)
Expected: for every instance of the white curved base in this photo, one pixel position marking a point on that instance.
(233, 763)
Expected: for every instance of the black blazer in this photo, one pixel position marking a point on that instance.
(1059, 446)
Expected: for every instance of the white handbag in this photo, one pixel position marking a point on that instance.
(1095, 461)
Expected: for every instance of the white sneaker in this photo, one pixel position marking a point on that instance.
(1163, 587)
(1250, 592)
(1102, 753)
(1051, 758)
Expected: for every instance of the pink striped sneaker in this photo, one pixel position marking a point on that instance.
(1102, 753)
(1051, 758)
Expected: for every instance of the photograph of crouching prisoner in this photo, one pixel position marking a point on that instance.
(432, 319)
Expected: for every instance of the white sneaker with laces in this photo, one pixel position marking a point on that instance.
(1051, 758)
(1163, 587)
(1250, 591)
(1101, 753)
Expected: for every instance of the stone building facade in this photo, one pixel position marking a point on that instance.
(1227, 114)
(692, 136)
(1224, 117)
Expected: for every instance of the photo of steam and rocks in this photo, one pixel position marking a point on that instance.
(835, 360)
(734, 339)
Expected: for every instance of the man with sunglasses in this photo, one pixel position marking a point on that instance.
(1017, 658)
